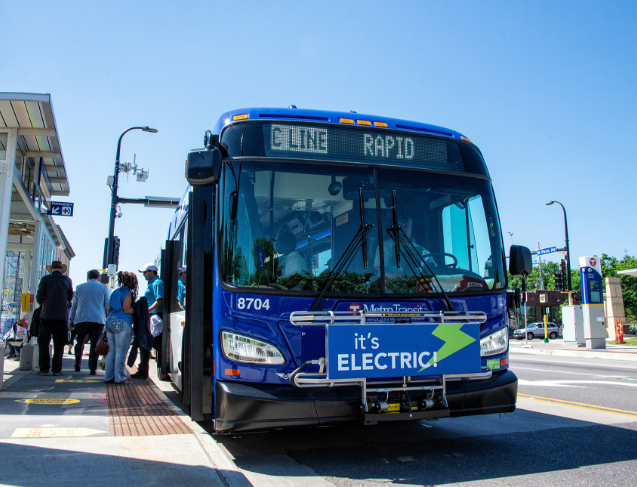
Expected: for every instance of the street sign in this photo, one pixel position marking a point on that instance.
(59, 208)
(548, 250)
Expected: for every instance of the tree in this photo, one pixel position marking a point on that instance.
(548, 272)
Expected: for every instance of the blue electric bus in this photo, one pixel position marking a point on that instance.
(340, 267)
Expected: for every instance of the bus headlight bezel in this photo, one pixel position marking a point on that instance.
(245, 349)
(495, 343)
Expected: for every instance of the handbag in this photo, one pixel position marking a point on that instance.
(102, 344)
(156, 325)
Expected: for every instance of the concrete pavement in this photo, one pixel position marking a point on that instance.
(57, 430)
(557, 348)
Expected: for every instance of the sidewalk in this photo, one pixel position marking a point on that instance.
(557, 348)
(75, 428)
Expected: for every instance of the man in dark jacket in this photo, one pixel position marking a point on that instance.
(55, 294)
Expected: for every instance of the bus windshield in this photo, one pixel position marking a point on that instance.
(287, 226)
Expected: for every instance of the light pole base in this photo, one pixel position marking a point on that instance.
(546, 340)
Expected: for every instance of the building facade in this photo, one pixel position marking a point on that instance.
(32, 171)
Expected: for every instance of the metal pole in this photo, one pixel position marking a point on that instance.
(539, 260)
(111, 221)
(568, 254)
(526, 335)
(568, 257)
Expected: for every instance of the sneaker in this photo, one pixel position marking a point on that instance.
(57, 373)
(92, 372)
(12, 355)
(139, 375)
(40, 372)
(17, 359)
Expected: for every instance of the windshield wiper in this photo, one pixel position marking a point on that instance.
(360, 239)
(395, 227)
(400, 236)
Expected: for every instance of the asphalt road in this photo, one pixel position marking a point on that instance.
(609, 384)
(576, 424)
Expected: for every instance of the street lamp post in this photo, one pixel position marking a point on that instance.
(568, 253)
(114, 199)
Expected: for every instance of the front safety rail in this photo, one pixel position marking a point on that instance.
(319, 379)
(323, 318)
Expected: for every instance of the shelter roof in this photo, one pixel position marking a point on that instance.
(32, 114)
(628, 272)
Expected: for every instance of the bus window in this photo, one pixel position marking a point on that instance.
(444, 230)
(286, 226)
(179, 289)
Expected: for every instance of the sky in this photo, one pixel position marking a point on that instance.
(545, 89)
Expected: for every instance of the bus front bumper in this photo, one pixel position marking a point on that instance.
(241, 406)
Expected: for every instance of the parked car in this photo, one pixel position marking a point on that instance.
(536, 330)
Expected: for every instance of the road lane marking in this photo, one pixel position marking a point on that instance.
(576, 373)
(565, 383)
(580, 405)
(54, 432)
(574, 361)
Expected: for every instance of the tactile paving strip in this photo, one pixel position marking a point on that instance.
(138, 408)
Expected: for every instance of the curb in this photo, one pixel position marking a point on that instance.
(228, 472)
(632, 357)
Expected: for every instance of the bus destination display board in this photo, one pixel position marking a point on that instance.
(308, 141)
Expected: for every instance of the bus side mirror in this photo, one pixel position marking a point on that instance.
(203, 167)
(520, 261)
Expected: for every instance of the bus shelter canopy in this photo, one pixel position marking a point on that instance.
(628, 272)
(32, 114)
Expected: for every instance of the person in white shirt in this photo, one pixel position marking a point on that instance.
(293, 262)
(389, 252)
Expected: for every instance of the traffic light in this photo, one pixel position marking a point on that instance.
(116, 250)
(564, 271)
(517, 297)
(559, 281)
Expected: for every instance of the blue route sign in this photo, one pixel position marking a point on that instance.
(547, 250)
(59, 208)
(374, 351)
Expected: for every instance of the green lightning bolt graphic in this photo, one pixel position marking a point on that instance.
(454, 340)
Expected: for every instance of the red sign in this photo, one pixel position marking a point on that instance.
(593, 262)
(355, 307)
(32, 298)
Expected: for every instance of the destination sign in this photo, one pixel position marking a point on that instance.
(284, 140)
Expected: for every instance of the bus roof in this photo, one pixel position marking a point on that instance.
(332, 117)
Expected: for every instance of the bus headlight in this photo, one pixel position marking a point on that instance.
(495, 343)
(241, 348)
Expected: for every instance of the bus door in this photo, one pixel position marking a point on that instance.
(174, 309)
(196, 377)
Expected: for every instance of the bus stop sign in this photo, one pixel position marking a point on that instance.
(59, 208)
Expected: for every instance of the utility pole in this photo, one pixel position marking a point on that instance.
(114, 199)
(539, 260)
